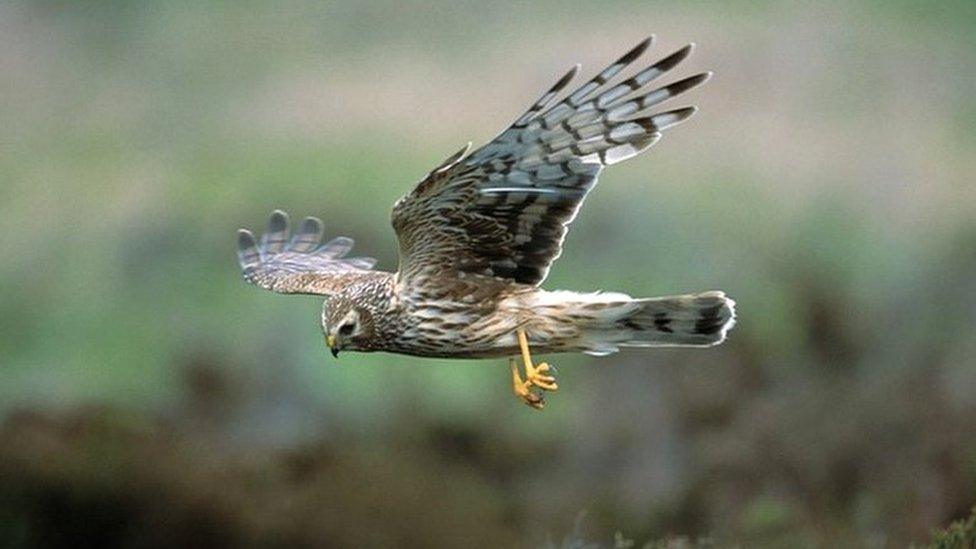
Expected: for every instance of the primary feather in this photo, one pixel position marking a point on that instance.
(503, 211)
(299, 263)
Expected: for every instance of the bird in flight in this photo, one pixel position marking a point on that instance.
(477, 237)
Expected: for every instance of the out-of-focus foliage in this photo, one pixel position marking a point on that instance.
(960, 534)
(147, 395)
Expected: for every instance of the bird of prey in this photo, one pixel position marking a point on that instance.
(478, 234)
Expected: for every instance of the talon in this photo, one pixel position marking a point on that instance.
(536, 376)
(534, 400)
(521, 388)
(545, 385)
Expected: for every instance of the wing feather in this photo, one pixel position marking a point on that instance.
(299, 263)
(503, 211)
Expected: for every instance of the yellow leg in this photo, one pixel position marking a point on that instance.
(537, 375)
(521, 388)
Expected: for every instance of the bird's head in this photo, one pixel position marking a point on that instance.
(346, 326)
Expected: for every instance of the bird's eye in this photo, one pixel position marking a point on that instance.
(346, 329)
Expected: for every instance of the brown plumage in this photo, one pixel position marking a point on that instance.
(479, 233)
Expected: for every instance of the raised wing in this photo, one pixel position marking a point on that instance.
(299, 263)
(503, 211)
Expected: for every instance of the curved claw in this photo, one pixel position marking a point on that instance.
(537, 377)
(544, 383)
(534, 400)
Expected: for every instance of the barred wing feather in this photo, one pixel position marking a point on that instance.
(299, 263)
(503, 211)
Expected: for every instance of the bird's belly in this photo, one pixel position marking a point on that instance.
(479, 341)
(456, 348)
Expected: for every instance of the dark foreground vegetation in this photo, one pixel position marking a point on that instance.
(116, 477)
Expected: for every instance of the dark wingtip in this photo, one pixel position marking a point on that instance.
(245, 239)
(566, 78)
(672, 60)
(247, 250)
(311, 225)
(684, 113)
(636, 51)
(682, 86)
(278, 221)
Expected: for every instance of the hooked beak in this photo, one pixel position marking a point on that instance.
(330, 340)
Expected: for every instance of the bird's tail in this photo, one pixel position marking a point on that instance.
(610, 321)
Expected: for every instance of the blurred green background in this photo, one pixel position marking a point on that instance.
(149, 396)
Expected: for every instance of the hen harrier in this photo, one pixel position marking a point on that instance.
(478, 235)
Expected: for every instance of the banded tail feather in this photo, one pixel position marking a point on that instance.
(605, 322)
(694, 320)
